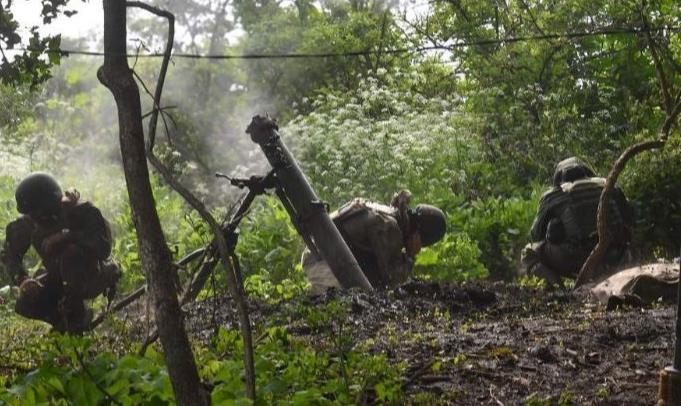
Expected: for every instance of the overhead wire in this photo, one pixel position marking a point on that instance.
(410, 50)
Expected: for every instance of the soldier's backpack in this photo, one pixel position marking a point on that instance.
(575, 204)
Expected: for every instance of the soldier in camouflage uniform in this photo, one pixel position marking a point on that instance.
(564, 232)
(73, 241)
(383, 239)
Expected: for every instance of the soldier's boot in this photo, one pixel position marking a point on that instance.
(532, 264)
(626, 300)
(110, 274)
(30, 292)
(551, 277)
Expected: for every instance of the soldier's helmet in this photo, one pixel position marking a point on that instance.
(570, 170)
(38, 192)
(431, 223)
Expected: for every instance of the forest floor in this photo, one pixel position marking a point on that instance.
(485, 343)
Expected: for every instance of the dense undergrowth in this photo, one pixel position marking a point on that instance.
(102, 369)
(382, 138)
(477, 137)
(373, 142)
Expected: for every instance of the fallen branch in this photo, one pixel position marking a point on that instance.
(118, 306)
(420, 371)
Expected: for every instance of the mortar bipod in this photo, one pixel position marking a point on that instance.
(258, 185)
(307, 212)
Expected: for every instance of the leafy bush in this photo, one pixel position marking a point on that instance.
(69, 374)
(380, 138)
(290, 372)
(270, 250)
(455, 258)
(501, 227)
(651, 183)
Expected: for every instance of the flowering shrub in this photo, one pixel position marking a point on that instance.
(379, 139)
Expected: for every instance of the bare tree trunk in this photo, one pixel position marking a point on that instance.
(155, 256)
(216, 40)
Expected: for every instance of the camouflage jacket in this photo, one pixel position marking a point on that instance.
(573, 207)
(86, 227)
(373, 233)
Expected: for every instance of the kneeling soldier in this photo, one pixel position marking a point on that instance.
(384, 239)
(73, 241)
(565, 230)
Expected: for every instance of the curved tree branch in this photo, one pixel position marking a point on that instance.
(604, 238)
(672, 110)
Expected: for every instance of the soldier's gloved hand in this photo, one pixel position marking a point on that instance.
(110, 296)
(413, 245)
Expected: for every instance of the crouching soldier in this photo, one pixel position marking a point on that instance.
(384, 240)
(564, 231)
(73, 241)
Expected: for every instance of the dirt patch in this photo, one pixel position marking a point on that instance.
(488, 343)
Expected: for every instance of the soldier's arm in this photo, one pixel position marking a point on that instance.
(538, 229)
(17, 242)
(540, 224)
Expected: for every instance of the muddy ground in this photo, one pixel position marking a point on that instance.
(489, 344)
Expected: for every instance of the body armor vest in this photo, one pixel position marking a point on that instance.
(576, 205)
(358, 205)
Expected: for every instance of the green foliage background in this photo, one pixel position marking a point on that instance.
(475, 130)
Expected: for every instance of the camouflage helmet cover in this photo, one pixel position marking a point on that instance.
(37, 191)
(431, 223)
(570, 170)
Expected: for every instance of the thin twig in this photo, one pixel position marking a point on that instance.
(87, 372)
(494, 398)
(418, 373)
(659, 69)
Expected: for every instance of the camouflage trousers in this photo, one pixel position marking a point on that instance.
(552, 262)
(57, 295)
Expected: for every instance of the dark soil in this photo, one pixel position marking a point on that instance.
(490, 343)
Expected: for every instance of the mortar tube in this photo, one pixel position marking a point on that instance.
(312, 215)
